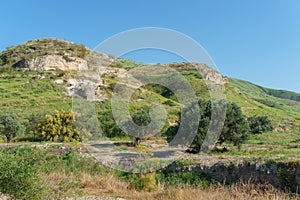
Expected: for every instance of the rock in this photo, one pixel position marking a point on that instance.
(53, 62)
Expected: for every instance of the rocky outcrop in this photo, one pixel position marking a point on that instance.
(89, 85)
(53, 62)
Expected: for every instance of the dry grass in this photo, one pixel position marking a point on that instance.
(109, 185)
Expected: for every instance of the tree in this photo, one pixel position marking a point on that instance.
(204, 115)
(10, 126)
(236, 127)
(31, 126)
(140, 118)
(59, 127)
(260, 124)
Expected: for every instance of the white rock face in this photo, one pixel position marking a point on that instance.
(54, 62)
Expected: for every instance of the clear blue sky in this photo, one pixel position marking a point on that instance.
(255, 40)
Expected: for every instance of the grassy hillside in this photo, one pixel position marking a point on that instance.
(65, 170)
(26, 93)
(255, 100)
(36, 91)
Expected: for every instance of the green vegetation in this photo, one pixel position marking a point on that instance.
(185, 179)
(235, 128)
(284, 113)
(275, 138)
(33, 92)
(53, 171)
(18, 174)
(10, 126)
(260, 124)
(141, 118)
(126, 64)
(26, 173)
(259, 90)
(50, 170)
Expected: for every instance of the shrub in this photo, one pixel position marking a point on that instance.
(260, 124)
(108, 124)
(59, 127)
(10, 126)
(18, 174)
(184, 178)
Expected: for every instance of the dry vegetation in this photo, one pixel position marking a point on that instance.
(111, 186)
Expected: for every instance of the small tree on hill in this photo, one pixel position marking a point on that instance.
(236, 127)
(10, 126)
(59, 127)
(260, 124)
(140, 118)
(31, 126)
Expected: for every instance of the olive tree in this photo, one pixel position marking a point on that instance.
(10, 126)
(235, 129)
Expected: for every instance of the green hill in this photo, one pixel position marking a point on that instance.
(284, 111)
(27, 92)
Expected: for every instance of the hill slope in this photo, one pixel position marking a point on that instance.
(32, 91)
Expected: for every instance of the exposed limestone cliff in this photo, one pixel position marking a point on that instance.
(53, 62)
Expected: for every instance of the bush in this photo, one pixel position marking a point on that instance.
(59, 127)
(18, 174)
(108, 124)
(184, 178)
(260, 124)
(10, 126)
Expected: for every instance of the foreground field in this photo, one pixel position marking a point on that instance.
(58, 171)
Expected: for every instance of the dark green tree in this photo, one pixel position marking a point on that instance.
(204, 114)
(10, 126)
(260, 124)
(140, 118)
(236, 127)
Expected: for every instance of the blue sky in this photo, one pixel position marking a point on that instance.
(254, 40)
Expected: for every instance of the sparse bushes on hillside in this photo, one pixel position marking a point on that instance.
(260, 124)
(59, 127)
(10, 126)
